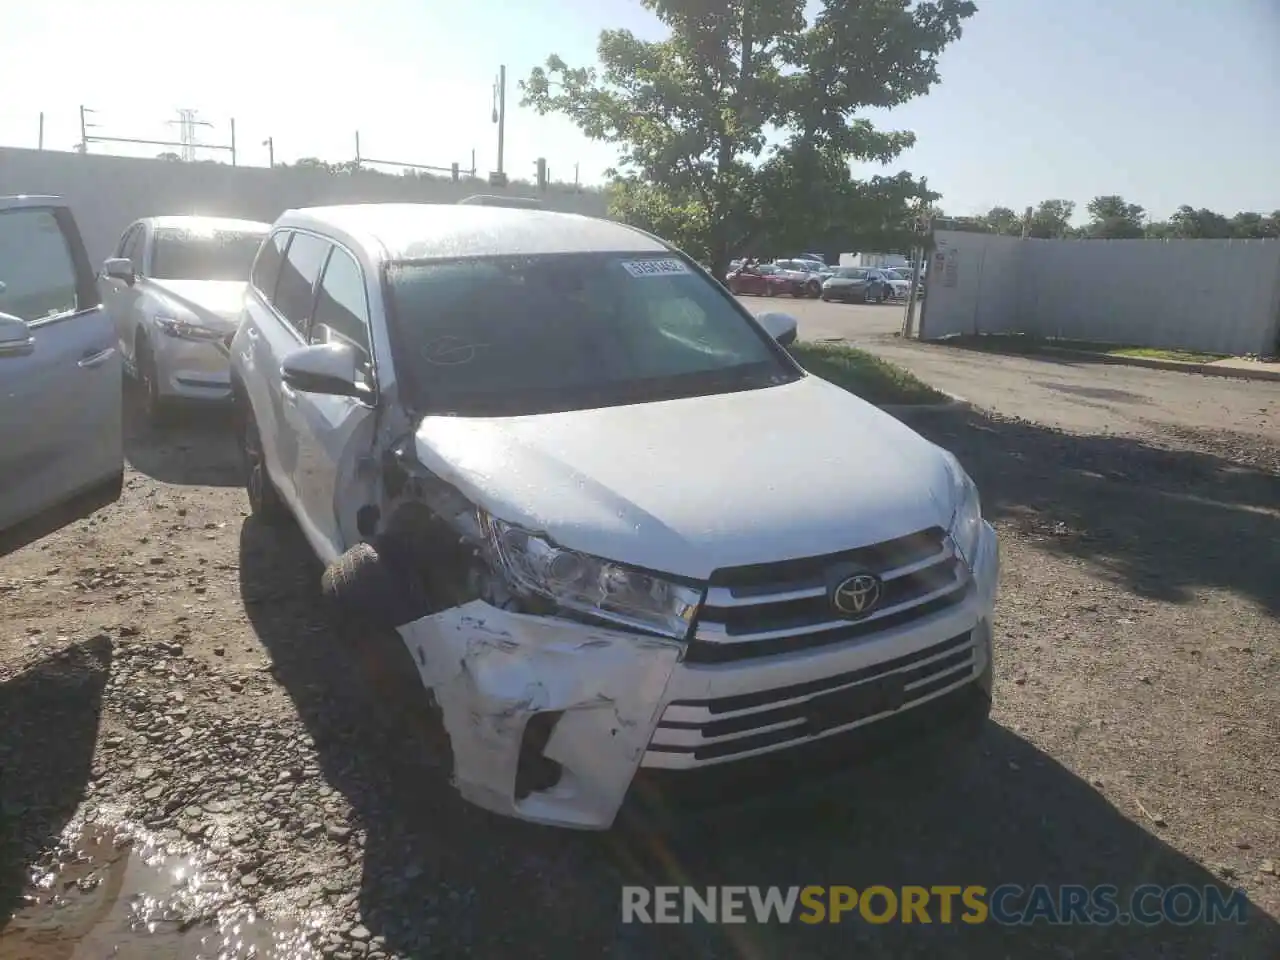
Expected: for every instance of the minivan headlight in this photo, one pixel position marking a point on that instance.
(966, 510)
(588, 585)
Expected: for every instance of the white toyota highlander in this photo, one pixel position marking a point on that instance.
(628, 543)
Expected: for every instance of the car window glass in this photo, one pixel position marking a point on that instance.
(136, 244)
(198, 253)
(122, 248)
(266, 268)
(295, 289)
(488, 336)
(342, 308)
(36, 269)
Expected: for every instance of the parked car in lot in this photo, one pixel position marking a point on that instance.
(517, 438)
(765, 280)
(805, 272)
(175, 287)
(855, 285)
(898, 282)
(61, 449)
(819, 267)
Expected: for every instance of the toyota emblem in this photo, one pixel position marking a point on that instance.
(858, 595)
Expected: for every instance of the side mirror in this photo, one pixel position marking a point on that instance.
(15, 337)
(781, 326)
(332, 369)
(118, 268)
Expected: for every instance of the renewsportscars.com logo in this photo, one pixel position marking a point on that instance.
(1007, 905)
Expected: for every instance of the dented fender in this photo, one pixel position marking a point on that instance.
(492, 670)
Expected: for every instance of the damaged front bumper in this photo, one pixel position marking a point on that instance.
(551, 720)
(493, 672)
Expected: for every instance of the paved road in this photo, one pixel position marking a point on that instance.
(1081, 397)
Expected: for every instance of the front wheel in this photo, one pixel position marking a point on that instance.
(156, 408)
(370, 585)
(815, 289)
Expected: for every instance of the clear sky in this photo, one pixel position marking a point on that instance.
(1160, 101)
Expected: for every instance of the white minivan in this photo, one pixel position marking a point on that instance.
(626, 540)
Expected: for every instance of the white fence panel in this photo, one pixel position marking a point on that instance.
(1215, 296)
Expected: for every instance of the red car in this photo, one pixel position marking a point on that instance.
(763, 280)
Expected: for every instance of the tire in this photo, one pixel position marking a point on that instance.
(814, 289)
(156, 410)
(369, 587)
(265, 501)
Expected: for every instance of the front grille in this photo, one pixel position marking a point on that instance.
(720, 729)
(773, 608)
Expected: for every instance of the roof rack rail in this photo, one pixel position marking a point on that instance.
(489, 200)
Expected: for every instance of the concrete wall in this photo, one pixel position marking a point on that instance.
(108, 193)
(1216, 296)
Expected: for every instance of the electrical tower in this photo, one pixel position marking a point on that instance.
(187, 124)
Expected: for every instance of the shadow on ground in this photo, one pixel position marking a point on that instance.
(197, 446)
(1164, 522)
(48, 727)
(443, 877)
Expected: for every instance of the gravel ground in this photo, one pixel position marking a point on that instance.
(169, 688)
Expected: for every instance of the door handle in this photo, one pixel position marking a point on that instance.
(93, 359)
(18, 348)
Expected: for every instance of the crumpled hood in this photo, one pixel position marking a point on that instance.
(689, 486)
(216, 302)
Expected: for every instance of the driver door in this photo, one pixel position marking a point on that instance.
(61, 448)
(335, 434)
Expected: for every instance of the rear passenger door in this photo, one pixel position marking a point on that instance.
(334, 433)
(61, 454)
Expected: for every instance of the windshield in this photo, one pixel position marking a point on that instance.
(900, 274)
(213, 255)
(852, 273)
(501, 336)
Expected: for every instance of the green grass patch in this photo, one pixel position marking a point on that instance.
(864, 374)
(1024, 343)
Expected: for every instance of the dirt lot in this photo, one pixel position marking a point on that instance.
(166, 667)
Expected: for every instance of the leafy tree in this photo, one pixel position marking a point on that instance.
(1113, 218)
(1254, 226)
(741, 122)
(1004, 221)
(1051, 219)
(168, 155)
(311, 163)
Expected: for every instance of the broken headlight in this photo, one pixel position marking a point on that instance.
(589, 585)
(966, 510)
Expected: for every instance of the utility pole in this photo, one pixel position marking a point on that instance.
(40, 139)
(922, 227)
(575, 178)
(500, 112)
(357, 148)
(270, 144)
(84, 128)
(233, 141)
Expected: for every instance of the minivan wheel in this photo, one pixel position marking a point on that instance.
(265, 501)
(370, 586)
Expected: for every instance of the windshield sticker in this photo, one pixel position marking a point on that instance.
(654, 268)
(450, 351)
